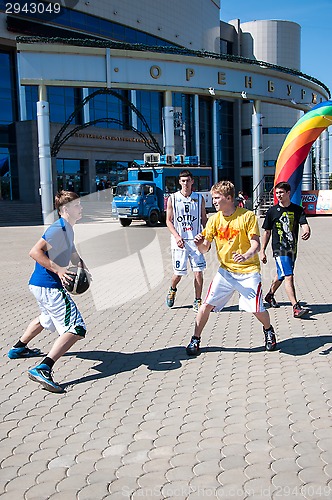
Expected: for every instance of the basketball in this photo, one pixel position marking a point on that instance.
(80, 280)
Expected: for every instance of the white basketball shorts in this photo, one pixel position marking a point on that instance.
(180, 257)
(248, 286)
(58, 311)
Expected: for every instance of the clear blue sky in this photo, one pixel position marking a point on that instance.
(314, 17)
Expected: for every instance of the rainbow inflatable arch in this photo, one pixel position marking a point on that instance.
(290, 162)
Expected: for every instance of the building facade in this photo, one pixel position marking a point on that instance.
(125, 78)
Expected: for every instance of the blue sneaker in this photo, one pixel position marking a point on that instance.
(44, 377)
(23, 352)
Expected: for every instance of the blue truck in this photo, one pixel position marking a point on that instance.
(144, 195)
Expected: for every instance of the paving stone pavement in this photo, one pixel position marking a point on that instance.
(139, 419)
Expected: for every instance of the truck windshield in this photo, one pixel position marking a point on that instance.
(129, 190)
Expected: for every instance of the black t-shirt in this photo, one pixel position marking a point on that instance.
(284, 223)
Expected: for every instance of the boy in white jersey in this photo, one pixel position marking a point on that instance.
(236, 234)
(185, 218)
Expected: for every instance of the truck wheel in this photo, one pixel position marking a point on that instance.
(153, 218)
(125, 222)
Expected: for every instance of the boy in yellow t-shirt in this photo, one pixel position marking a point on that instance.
(235, 232)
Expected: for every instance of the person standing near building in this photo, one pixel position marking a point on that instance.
(283, 221)
(185, 218)
(235, 232)
(53, 253)
(241, 199)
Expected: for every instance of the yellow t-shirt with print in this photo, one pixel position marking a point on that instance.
(233, 234)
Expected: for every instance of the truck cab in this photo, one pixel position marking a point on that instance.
(144, 196)
(137, 200)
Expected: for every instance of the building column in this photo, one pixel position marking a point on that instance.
(214, 141)
(21, 94)
(307, 173)
(196, 119)
(86, 108)
(168, 124)
(44, 149)
(257, 157)
(237, 143)
(133, 100)
(324, 160)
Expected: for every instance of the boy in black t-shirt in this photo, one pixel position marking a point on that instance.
(283, 221)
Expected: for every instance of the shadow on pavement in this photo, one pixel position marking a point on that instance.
(112, 363)
(320, 308)
(298, 346)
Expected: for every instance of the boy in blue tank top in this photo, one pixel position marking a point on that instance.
(53, 252)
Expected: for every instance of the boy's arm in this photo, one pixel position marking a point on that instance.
(254, 248)
(170, 225)
(203, 213)
(306, 231)
(202, 244)
(265, 241)
(38, 253)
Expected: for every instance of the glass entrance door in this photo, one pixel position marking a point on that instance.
(69, 175)
(5, 176)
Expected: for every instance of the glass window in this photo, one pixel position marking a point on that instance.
(130, 190)
(150, 105)
(205, 130)
(225, 156)
(276, 130)
(112, 111)
(105, 28)
(186, 104)
(7, 91)
(201, 183)
(69, 175)
(111, 172)
(5, 175)
(79, 21)
(69, 18)
(63, 101)
(31, 97)
(171, 184)
(226, 47)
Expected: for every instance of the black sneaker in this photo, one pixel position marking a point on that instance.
(193, 347)
(271, 300)
(299, 311)
(270, 339)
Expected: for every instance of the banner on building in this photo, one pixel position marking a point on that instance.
(317, 202)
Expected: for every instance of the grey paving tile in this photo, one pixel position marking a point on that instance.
(313, 474)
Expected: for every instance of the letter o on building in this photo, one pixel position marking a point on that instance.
(155, 72)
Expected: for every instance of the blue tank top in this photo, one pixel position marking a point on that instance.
(60, 236)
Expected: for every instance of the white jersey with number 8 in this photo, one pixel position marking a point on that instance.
(187, 215)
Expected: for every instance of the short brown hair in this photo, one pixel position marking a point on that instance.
(226, 188)
(283, 185)
(186, 173)
(64, 197)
